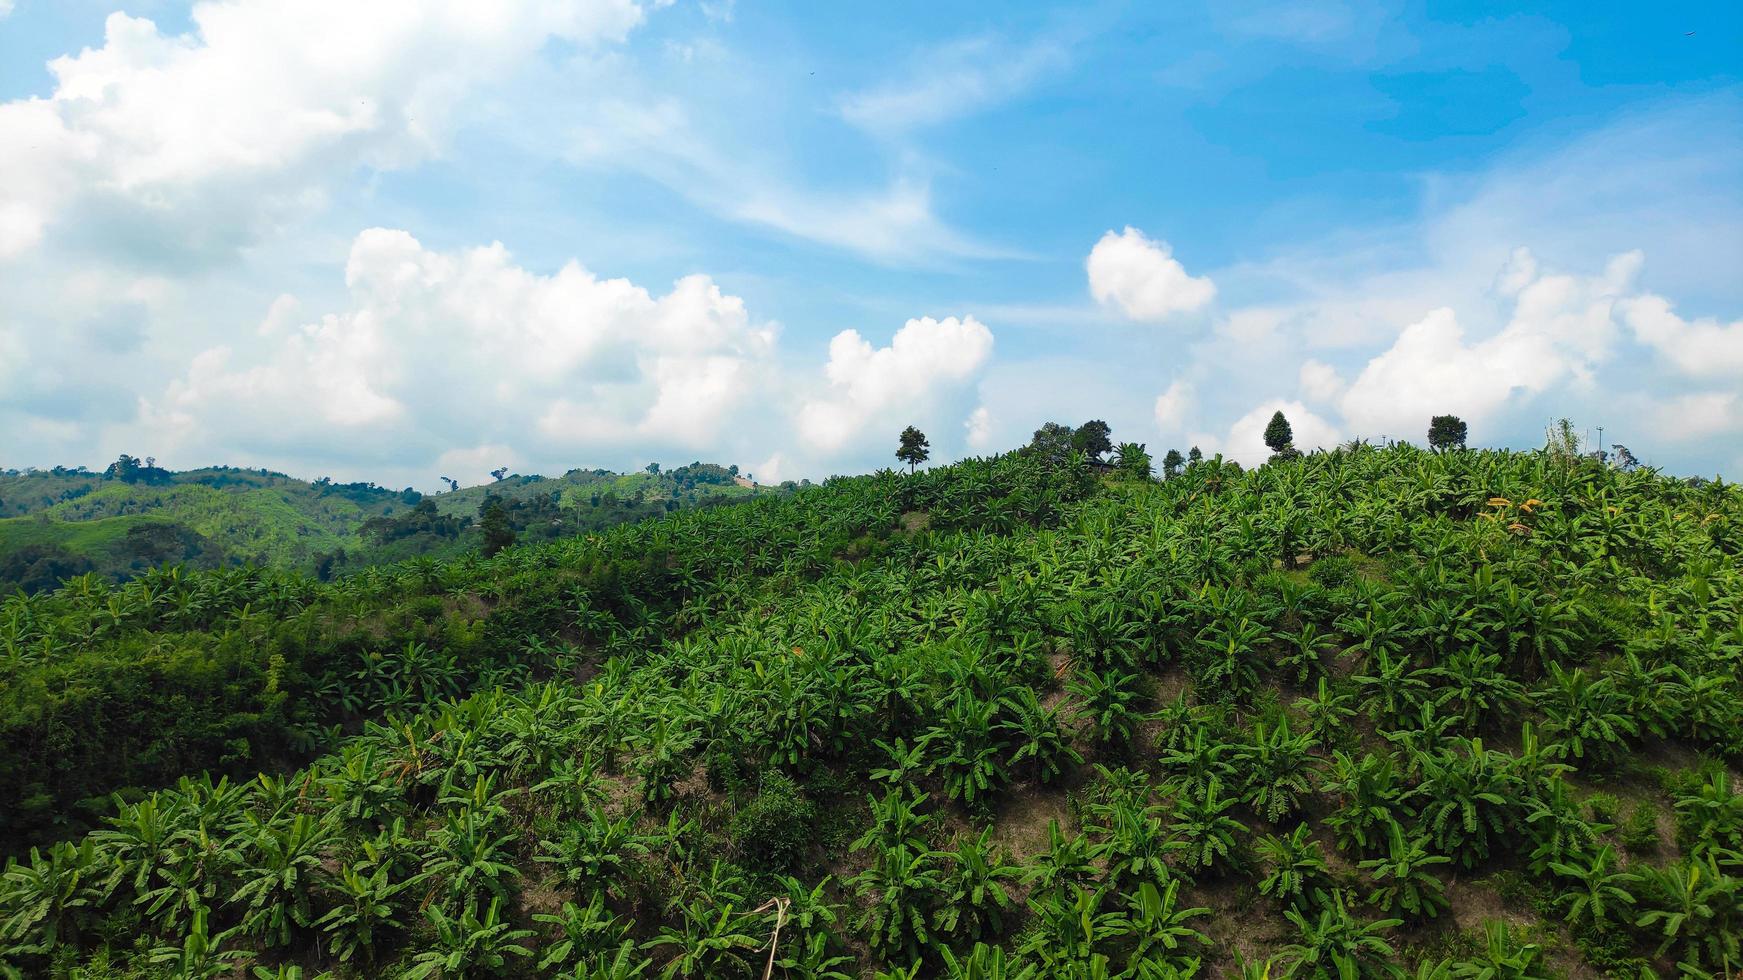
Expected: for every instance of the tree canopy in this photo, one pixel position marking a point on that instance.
(914, 448)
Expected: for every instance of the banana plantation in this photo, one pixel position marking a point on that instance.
(1364, 713)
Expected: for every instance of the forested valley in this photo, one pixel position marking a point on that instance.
(1366, 712)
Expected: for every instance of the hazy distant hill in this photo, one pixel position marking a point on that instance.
(64, 522)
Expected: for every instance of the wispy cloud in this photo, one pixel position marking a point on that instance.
(954, 80)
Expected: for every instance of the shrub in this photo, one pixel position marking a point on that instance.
(773, 830)
(1603, 807)
(1640, 830)
(1332, 571)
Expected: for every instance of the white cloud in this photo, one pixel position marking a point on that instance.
(441, 350)
(5, 8)
(925, 357)
(1143, 279)
(476, 463)
(1701, 348)
(743, 178)
(1246, 439)
(1173, 405)
(1320, 382)
(1697, 416)
(979, 428)
(1561, 328)
(198, 141)
(950, 81)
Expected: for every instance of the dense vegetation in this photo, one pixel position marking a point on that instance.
(1371, 712)
(60, 523)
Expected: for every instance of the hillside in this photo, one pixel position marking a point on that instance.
(1367, 713)
(55, 524)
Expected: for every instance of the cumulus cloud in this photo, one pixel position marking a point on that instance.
(1320, 382)
(1561, 328)
(1172, 405)
(1701, 348)
(197, 141)
(926, 357)
(1143, 279)
(978, 428)
(1246, 440)
(448, 351)
(1697, 416)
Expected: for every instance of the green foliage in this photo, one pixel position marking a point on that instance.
(801, 736)
(914, 449)
(776, 827)
(1446, 432)
(1279, 435)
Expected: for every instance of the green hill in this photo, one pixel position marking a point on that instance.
(61, 523)
(1366, 713)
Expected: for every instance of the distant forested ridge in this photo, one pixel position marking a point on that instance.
(59, 523)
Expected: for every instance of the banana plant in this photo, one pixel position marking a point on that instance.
(900, 891)
(1110, 700)
(709, 940)
(45, 898)
(1474, 687)
(469, 945)
(281, 867)
(202, 955)
(1595, 891)
(1585, 714)
(1337, 943)
(1132, 841)
(984, 962)
(626, 962)
(366, 913)
(1403, 883)
(1205, 830)
(1159, 931)
(469, 860)
(596, 851)
(1038, 734)
(965, 747)
(975, 896)
(1275, 769)
(1072, 928)
(1695, 908)
(1201, 760)
(1067, 862)
(1295, 865)
(1504, 956)
(1330, 710)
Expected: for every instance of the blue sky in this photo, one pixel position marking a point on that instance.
(402, 240)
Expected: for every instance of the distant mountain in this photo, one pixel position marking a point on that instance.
(55, 524)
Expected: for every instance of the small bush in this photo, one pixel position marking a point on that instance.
(1640, 830)
(1332, 571)
(1603, 807)
(773, 830)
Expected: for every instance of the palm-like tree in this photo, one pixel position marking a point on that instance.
(975, 896)
(1042, 744)
(1597, 890)
(469, 945)
(281, 868)
(1206, 831)
(1402, 880)
(1337, 943)
(1295, 866)
(366, 914)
